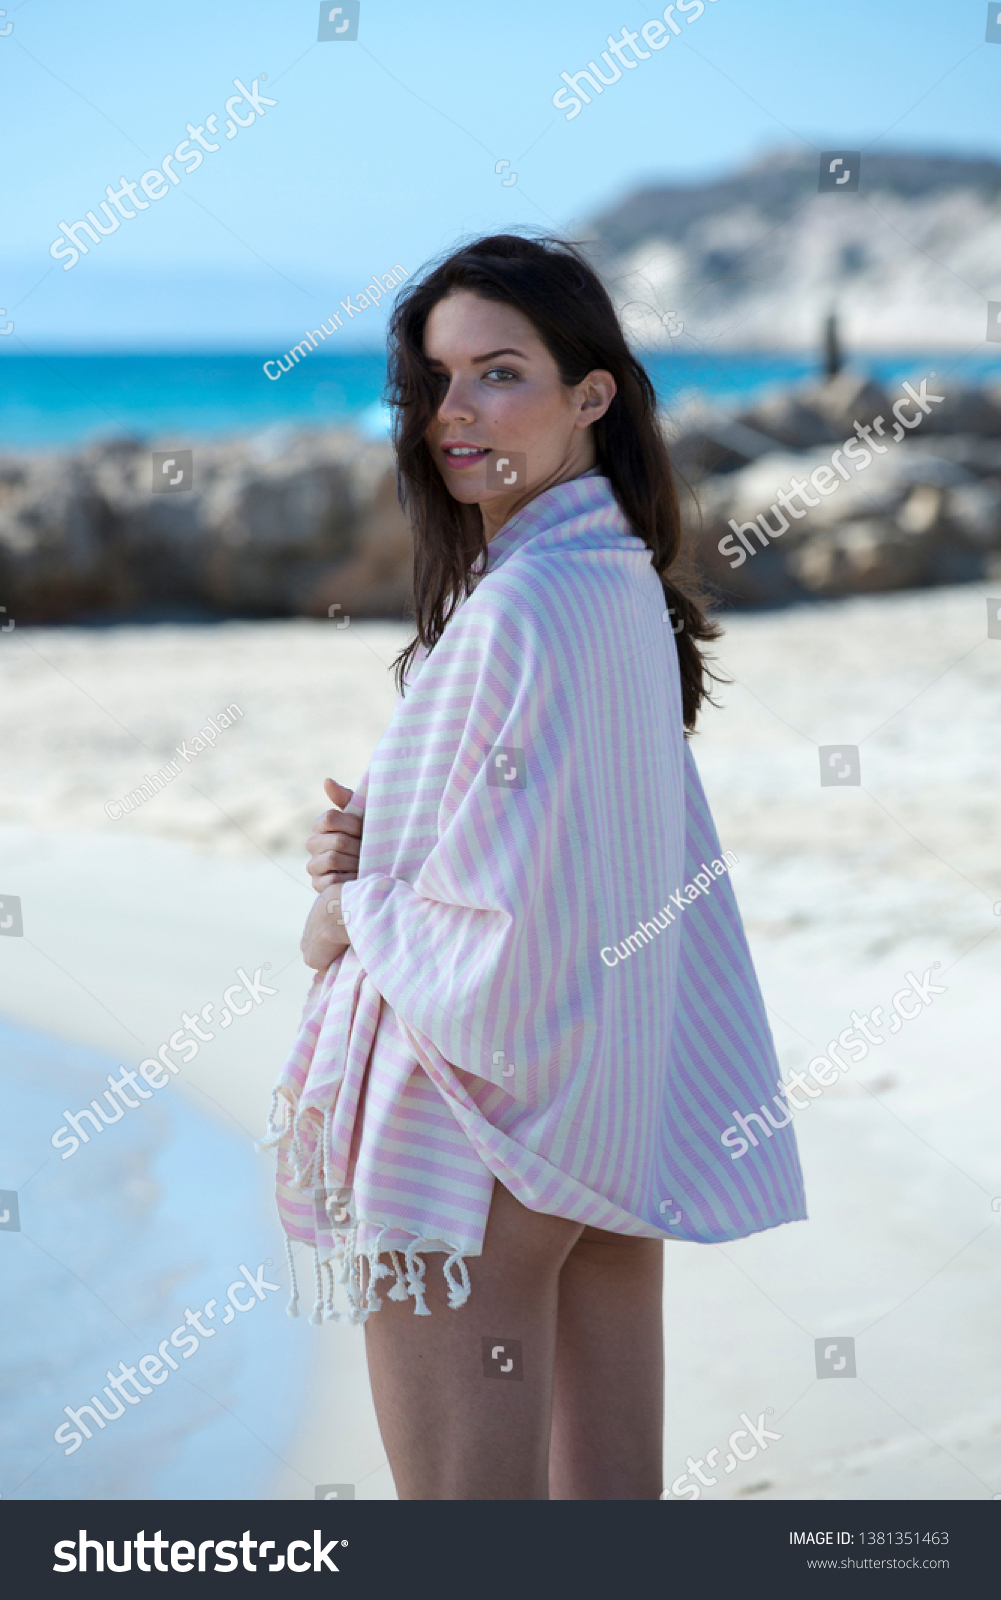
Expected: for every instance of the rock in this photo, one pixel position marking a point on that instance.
(54, 547)
(969, 411)
(818, 413)
(377, 579)
(267, 520)
(862, 557)
(711, 442)
(979, 456)
(910, 517)
(307, 523)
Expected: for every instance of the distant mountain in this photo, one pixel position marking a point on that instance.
(757, 259)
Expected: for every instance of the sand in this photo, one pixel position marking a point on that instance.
(843, 890)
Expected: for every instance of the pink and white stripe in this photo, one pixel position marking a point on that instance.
(472, 1030)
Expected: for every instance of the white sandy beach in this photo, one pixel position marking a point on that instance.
(844, 891)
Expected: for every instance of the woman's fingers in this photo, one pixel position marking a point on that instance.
(342, 856)
(334, 846)
(327, 878)
(338, 822)
(335, 872)
(337, 792)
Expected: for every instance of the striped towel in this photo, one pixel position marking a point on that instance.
(523, 998)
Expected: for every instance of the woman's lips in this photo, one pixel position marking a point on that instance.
(471, 457)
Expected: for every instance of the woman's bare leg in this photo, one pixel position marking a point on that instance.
(608, 1399)
(450, 1431)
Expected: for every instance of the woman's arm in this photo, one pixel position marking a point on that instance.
(334, 847)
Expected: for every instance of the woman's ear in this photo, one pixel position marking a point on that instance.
(595, 394)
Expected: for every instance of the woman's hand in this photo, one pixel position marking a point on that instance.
(325, 936)
(335, 841)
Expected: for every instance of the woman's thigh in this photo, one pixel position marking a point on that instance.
(454, 1426)
(608, 1404)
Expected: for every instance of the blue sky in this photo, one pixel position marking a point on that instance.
(383, 150)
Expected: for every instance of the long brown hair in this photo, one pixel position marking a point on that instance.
(552, 284)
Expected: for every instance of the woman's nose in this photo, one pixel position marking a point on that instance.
(455, 403)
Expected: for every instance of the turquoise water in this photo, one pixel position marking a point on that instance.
(59, 400)
(152, 1217)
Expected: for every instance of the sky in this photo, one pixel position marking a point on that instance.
(434, 124)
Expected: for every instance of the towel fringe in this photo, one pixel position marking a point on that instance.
(317, 1313)
(399, 1289)
(275, 1135)
(292, 1309)
(415, 1277)
(343, 1265)
(330, 1314)
(458, 1293)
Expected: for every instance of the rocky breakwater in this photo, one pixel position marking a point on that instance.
(272, 524)
(835, 488)
(843, 488)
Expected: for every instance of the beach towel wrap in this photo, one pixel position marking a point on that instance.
(548, 980)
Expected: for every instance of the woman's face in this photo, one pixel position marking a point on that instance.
(506, 427)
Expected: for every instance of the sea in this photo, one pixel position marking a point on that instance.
(59, 401)
(101, 1256)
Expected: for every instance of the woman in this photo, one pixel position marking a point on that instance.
(534, 1014)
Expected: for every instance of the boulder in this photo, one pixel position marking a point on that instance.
(53, 541)
(911, 517)
(859, 557)
(266, 521)
(818, 413)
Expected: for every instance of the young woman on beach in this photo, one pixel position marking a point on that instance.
(534, 1014)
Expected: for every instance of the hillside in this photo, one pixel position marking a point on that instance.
(757, 258)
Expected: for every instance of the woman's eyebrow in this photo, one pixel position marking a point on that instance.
(475, 361)
(491, 354)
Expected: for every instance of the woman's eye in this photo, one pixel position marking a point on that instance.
(500, 372)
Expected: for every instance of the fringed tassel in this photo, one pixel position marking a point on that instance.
(415, 1278)
(376, 1270)
(352, 1277)
(292, 1309)
(274, 1134)
(360, 1310)
(399, 1290)
(317, 1314)
(458, 1293)
(329, 1313)
(295, 1155)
